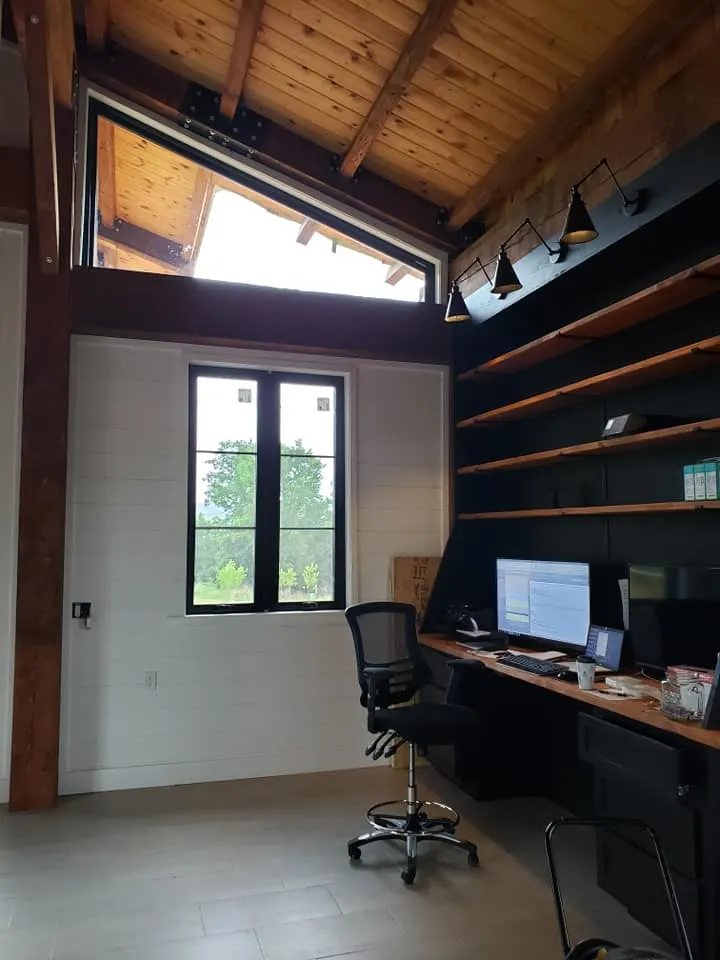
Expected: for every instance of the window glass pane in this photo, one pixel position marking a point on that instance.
(224, 566)
(307, 419)
(307, 495)
(226, 414)
(307, 565)
(225, 488)
(159, 211)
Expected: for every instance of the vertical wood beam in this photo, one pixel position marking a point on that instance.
(62, 49)
(97, 21)
(41, 522)
(245, 33)
(431, 24)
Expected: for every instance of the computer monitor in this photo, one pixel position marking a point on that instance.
(547, 600)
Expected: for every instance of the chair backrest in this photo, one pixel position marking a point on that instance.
(385, 636)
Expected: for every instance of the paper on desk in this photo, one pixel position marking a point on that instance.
(537, 654)
(601, 695)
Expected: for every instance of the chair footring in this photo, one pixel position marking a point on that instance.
(393, 815)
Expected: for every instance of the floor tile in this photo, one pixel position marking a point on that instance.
(89, 938)
(330, 936)
(237, 946)
(241, 913)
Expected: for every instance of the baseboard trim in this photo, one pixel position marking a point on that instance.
(175, 774)
(4, 790)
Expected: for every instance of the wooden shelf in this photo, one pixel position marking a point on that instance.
(685, 359)
(685, 287)
(543, 458)
(673, 506)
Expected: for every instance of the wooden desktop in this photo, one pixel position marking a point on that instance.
(639, 711)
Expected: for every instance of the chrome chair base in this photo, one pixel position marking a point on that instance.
(412, 824)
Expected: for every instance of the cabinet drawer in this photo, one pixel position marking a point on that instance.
(634, 878)
(662, 768)
(675, 824)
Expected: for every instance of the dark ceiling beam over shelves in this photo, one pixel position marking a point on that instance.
(429, 27)
(159, 89)
(245, 33)
(146, 243)
(97, 20)
(624, 59)
(147, 306)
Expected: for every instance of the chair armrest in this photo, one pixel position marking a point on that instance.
(374, 677)
(458, 668)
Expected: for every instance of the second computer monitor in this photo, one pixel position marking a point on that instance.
(544, 599)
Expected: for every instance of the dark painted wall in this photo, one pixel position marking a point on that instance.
(677, 240)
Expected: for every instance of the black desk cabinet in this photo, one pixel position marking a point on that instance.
(674, 785)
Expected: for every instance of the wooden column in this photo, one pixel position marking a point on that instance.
(41, 547)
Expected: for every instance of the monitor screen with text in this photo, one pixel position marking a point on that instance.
(545, 599)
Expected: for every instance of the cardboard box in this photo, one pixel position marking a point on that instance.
(689, 481)
(699, 471)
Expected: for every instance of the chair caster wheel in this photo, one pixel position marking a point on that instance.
(408, 875)
(354, 853)
(473, 860)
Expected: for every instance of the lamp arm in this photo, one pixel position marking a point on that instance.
(541, 238)
(464, 273)
(604, 163)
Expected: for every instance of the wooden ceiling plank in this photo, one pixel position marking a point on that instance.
(363, 22)
(97, 21)
(35, 20)
(459, 140)
(319, 47)
(245, 34)
(106, 186)
(549, 15)
(432, 23)
(662, 17)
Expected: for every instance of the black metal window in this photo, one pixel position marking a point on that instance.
(266, 491)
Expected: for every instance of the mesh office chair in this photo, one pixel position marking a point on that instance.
(391, 670)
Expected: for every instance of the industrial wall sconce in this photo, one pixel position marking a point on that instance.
(505, 280)
(579, 227)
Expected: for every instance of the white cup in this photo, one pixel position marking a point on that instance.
(586, 672)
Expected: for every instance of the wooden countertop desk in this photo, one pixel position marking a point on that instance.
(641, 711)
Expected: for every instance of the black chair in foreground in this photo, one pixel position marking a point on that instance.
(391, 670)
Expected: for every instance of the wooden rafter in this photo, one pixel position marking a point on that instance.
(627, 56)
(97, 19)
(106, 189)
(149, 245)
(61, 43)
(33, 24)
(431, 24)
(306, 231)
(198, 212)
(245, 33)
(395, 273)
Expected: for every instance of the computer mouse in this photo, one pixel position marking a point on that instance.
(567, 675)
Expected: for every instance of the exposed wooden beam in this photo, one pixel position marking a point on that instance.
(306, 231)
(97, 21)
(15, 187)
(41, 515)
(245, 33)
(198, 211)
(106, 188)
(159, 89)
(431, 24)
(146, 243)
(33, 23)
(62, 49)
(625, 58)
(395, 273)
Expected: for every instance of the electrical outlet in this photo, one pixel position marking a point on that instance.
(151, 679)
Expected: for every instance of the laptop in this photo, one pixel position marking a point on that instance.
(604, 645)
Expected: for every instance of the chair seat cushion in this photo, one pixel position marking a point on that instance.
(429, 723)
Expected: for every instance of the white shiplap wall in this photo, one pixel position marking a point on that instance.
(12, 326)
(238, 696)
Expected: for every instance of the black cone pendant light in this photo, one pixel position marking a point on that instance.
(506, 280)
(579, 227)
(457, 308)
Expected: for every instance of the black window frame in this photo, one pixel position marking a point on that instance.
(89, 227)
(268, 480)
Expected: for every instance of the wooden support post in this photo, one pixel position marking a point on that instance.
(41, 541)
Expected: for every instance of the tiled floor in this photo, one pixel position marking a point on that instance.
(257, 870)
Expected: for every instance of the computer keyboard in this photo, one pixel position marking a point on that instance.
(542, 668)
